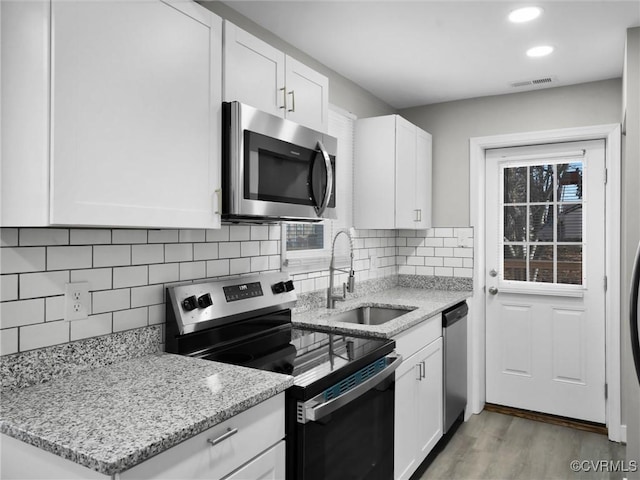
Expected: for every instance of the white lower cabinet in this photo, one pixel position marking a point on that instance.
(419, 396)
(255, 450)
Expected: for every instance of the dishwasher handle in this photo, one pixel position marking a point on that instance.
(455, 313)
(314, 409)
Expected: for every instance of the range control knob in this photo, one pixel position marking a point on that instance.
(205, 301)
(278, 288)
(288, 285)
(189, 303)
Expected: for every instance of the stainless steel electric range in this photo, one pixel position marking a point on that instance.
(339, 412)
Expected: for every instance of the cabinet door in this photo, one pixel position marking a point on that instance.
(423, 178)
(307, 96)
(430, 407)
(406, 210)
(405, 437)
(136, 105)
(253, 71)
(268, 466)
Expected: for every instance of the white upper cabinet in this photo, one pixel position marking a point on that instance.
(135, 104)
(259, 75)
(392, 174)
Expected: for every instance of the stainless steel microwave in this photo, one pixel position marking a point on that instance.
(275, 169)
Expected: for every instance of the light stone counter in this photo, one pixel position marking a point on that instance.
(112, 418)
(423, 304)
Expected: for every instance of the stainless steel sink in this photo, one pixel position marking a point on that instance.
(370, 315)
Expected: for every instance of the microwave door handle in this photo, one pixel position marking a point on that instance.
(329, 188)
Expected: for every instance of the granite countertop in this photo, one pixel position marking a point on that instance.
(422, 303)
(112, 418)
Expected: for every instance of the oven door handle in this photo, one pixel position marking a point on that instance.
(314, 412)
(329, 185)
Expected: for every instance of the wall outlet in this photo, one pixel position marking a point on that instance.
(77, 301)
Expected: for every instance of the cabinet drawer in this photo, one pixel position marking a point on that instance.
(258, 429)
(412, 340)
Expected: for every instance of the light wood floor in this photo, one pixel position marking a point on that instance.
(493, 446)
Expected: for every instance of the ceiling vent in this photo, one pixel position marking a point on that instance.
(538, 82)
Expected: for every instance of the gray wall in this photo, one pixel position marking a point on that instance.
(630, 237)
(453, 123)
(342, 92)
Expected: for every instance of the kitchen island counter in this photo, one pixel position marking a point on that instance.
(421, 304)
(112, 418)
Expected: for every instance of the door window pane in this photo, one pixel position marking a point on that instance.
(515, 263)
(541, 223)
(541, 183)
(570, 223)
(515, 224)
(570, 264)
(542, 228)
(305, 236)
(515, 185)
(541, 263)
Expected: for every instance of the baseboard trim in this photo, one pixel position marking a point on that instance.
(551, 419)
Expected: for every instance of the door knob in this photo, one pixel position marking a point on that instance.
(493, 272)
(493, 290)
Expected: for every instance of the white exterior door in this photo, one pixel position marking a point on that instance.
(545, 278)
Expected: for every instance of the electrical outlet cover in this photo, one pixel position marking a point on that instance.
(77, 301)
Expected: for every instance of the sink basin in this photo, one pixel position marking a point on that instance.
(369, 315)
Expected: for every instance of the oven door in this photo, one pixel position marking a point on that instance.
(348, 437)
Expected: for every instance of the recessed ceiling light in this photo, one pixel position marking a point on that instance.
(540, 51)
(525, 14)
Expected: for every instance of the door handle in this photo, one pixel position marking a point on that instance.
(493, 290)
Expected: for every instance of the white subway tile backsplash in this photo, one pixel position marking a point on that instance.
(111, 255)
(98, 278)
(443, 271)
(259, 264)
(443, 252)
(406, 270)
(239, 265)
(433, 242)
(218, 268)
(463, 272)
(43, 236)
(147, 254)
(415, 261)
(425, 251)
(128, 319)
(434, 261)
(443, 232)
(467, 262)
(221, 235)
(163, 236)
(89, 236)
(67, 258)
(54, 308)
(450, 242)
(229, 250)
(123, 236)
(428, 271)
(8, 341)
(43, 335)
(259, 232)
(130, 276)
(240, 233)
(157, 314)
(110, 300)
(92, 326)
(149, 295)
(192, 236)
(452, 262)
(43, 284)
(22, 259)
(463, 252)
(21, 312)
(8, 288)
(8, 237)
(249, 249)
(415, 242)
(205, 251)
(274, 262)
(164, 273)
(178, 252)
(275, 232)
(193, 270)
(269, 247)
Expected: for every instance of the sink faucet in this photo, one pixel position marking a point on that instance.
(351, 282)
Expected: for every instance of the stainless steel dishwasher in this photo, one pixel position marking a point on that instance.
(454, 328)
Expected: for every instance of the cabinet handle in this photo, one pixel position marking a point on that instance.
(284, 97)
(418, 215)
(423, 369)
(218, 192)
(293, 101)
(229, 433)
(419, 374)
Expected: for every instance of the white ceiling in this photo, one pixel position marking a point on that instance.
(411, 53)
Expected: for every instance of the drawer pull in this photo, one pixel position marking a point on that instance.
(229, 433)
